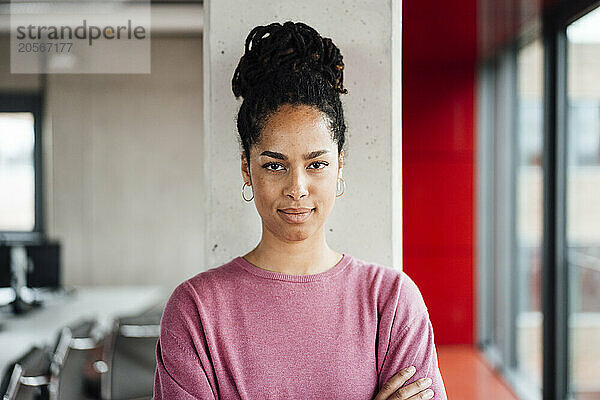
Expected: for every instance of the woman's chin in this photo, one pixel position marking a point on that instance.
(296, 234)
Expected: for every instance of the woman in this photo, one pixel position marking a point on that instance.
(294, 319)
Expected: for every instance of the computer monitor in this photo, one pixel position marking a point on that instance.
(5, 268)
(44, 269)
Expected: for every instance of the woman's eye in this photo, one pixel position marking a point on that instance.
(269, 165)
(320, 164)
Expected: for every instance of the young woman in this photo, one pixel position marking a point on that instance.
(293, 318)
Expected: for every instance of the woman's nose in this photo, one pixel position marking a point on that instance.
(297, 185)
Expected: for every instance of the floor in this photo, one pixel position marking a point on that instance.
(467, 376)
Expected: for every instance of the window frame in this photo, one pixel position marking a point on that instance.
(19, 102)
(555, 282)
(498, 119)
(556, 378)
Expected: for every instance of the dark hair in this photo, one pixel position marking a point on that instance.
(288, 64)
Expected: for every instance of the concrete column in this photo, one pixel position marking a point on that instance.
(367, 220)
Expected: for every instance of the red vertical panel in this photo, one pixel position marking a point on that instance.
(439, 52)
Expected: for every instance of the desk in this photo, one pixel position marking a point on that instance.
(41, 326)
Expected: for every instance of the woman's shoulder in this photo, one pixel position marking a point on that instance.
(382, 275)
(215, 276)
(201, 288)
(392, 287)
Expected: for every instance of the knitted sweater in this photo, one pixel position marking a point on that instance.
(238, 331)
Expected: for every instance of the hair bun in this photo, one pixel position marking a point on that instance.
(291, 47)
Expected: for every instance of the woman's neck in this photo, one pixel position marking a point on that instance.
(293, 259)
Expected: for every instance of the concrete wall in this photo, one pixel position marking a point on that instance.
(366, 220)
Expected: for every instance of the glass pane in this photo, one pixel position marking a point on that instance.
(499, 293)
(17, 181)
(529, 213)
(583, 204)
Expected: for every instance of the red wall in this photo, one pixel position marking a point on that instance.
(439, 55)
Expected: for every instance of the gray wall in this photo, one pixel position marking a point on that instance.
(123, 167)
(367, 220)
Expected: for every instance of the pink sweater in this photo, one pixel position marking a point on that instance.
(241, 332)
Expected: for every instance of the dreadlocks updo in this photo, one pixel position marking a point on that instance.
(288, 64)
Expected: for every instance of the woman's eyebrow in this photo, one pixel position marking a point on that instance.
(307, 156)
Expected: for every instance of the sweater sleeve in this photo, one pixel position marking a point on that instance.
(182, 367)
(411, 341)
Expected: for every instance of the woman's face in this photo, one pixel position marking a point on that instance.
(295, 165)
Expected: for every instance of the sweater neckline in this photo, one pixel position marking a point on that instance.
(253, 269)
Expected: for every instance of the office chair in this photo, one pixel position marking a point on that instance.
(131, 358)
(28, 377)
(72, 358)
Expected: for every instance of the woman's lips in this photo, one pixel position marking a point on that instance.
(295, 218)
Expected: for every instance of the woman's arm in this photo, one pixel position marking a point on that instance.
(407, 338)
(183, 368)
(179, 373)
(414, 345)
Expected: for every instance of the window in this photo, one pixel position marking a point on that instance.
(509, 168)
(528, 188)
(20, 161)
(539, 206)
(583, 204)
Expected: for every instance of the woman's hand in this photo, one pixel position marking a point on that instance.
(393, 390)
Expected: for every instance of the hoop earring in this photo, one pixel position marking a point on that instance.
(343, 189)
(244, 197)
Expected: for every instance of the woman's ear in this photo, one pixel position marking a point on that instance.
(340, 163)
(245, 169)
